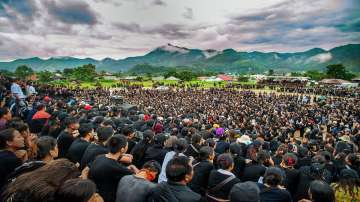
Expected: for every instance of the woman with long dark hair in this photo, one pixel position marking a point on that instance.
(41, 184)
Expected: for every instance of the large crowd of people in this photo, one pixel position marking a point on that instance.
(177, 144)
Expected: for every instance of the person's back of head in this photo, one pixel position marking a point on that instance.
(46, 145)
(41, 184)
(320, 191)
(273, 176)
(206, 153)
(245, 192)
(85, 129)
(180, 145)
(225, 161)
(117, 143)
(195, 139)
(236, 149)
(179, 169)
(78, 190)
(104, 133)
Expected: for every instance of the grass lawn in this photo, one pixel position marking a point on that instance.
(149, 83)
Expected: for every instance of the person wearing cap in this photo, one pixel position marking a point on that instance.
(222, 146)
(245, 192)
(347, 189)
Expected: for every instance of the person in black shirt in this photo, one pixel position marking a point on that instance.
(193, 148)
(257, 168)
(291, 175)
(80, 144)
(67, 136)
(236, 151)
(271, 189)
(222, 180)
(129, 134)
(179, 172)
(106, 171)
(139, 150)
(10, 141)
(156, 151)
(202, 170)
(97, 148)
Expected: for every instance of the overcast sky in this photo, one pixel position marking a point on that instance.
(122, 28)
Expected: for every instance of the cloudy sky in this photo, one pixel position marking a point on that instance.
(122, 28)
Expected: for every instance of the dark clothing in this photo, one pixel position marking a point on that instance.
(155, 152)
(77, 149)
(173, 192)
(106, 173)
(222, 147)
(8, 163)
(192, 150)
(306, 161)
(216, 178)
(64, 142)
(138, 153)
(239, 166)
(291, 180)
(201, 175)
(253, 172)
(131, 145)
(91, 152)
(273, 194)
(305, 179)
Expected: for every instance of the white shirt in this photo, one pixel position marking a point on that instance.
(30, 90)
(17, 91)
(170, 155)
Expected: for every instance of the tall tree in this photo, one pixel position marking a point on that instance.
(45, 76)
(23, 71)
(338, 71)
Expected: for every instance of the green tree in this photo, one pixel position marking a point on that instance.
(270, 72)
(139, 78)
(6, 73)
(315, 75)
(44, 76)
(85, 73)
(243, 78)
(338, 71)
(23, 72)
(296, 74)
(186, 75)
(170, 73)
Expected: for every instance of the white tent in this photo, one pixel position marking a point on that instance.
(172, 78)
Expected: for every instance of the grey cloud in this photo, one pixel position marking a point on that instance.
(159, 3)
(169, 31)
(274, 25)
(72, 12)
(188, 13)
(113, 2)
(130, 27)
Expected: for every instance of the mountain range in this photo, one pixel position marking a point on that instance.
(228, 60)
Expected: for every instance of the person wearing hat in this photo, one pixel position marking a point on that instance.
(222, 146)
(347, 189)
(245, 192)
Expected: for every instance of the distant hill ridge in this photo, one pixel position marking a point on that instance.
(228, 60)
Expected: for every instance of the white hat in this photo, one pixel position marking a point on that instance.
(244, 139)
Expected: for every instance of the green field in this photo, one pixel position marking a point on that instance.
(147, 84)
